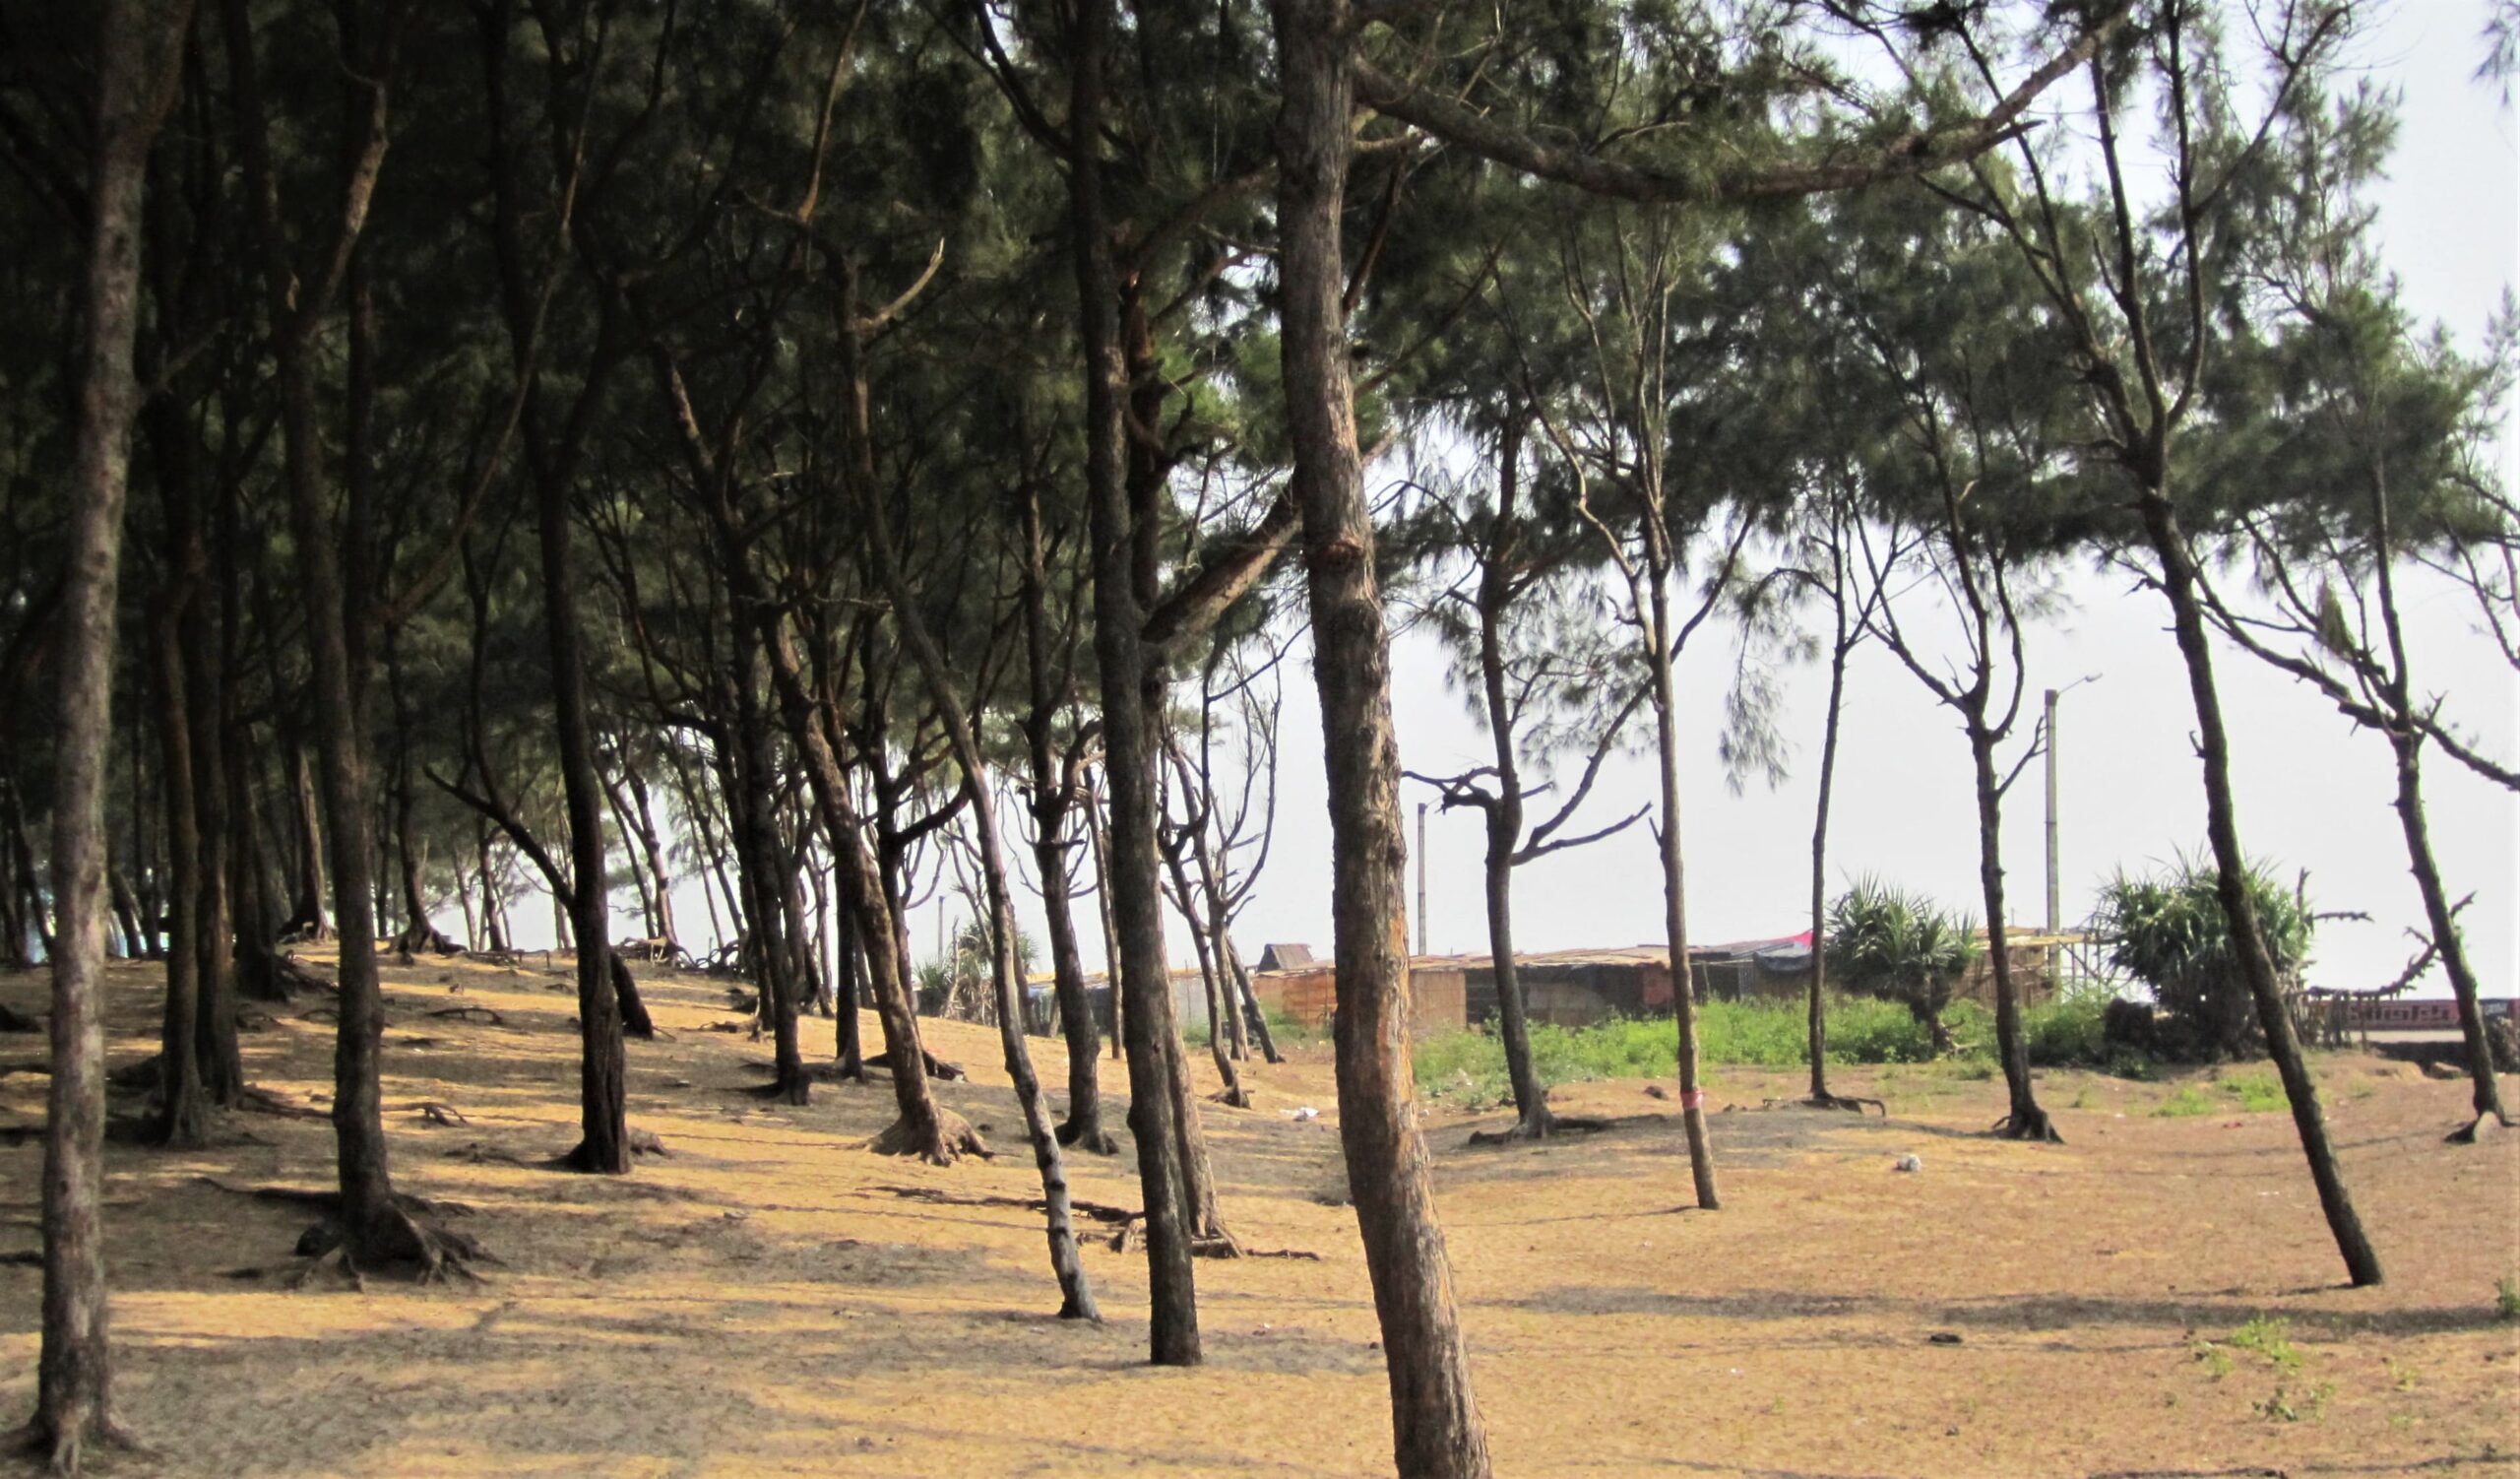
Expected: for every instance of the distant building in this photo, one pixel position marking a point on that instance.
(1285, 957)
(1308, 994)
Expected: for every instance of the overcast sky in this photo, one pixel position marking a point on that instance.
(2313, 791)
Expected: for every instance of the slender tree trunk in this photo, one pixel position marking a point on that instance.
(1076, 1295)
(2249, 941)
(1532, 1119)
(1436, 1429)
(1819, 1007)
(1144, 990)
(604, 1144)
(1242, 978)
(221, 1061)
(2486, 1099)
(73, 1369)
(924, 1128)
(309, 915)
(1098, 836)
(1676, 933)
(183, 1119)
(2026, 1121)
(1052, 802)
(845, 1027)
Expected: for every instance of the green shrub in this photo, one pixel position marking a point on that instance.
(2168, 932)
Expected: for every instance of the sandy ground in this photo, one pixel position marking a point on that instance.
(761, 1301)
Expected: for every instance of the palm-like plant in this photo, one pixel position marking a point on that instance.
(1903, 948)
(2169, 933)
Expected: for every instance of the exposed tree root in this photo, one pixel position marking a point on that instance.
(440, 1114)
(942, 1143)
(1852, 1104)
(1092, 1139)
(408, 1232)
(289, 976)
(1236, 1097)
(1215, 1243)
(481, 1014)
(937, 1068)
(14, 1020)
(63, 1451)
(1098, 1211)
(2482, 1129)
(420, 937)
(798, 1091)
(2034, 1126)
(1538, 1126)
(262, 1101)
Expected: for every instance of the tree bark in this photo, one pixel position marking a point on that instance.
(1667, 739)
(183, 1116)
(1819, 1007)
(2025, 1120)
(73, 1367)
(1436, 1428)
(1053, 801)
(1144, 990)
(1076, 1295)
(2486, 1095)
(2239, 911)
(604, 1144)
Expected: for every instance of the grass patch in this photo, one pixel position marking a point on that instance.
(2186, 1103)
(2506, 1299)
(2258, 1093)
(2270, 1338)
(1468, 1067)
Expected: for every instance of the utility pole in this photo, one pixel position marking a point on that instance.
(2055, 912)
(1422, 878)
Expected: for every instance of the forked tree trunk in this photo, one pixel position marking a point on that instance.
(73, 1370)
(1053, 801)
(1437, 1430)
(1076, 1295)
(924, 1129)
(2239, 911)
(1144, 990)
(2025, 1120)
(1503, 814)
(2486, 1096)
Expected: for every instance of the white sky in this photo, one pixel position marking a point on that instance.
(2312, 793)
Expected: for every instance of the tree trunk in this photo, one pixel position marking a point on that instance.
(1054, 800)
(2239, 911)
(924, 1129)
(1504, 814)
(2486, 1098)
(220, 1061)
(604, 1144)
(1436, 1428)
(1144, 990)
(1666, 740)
(309, 916)
(183, 1119)
(1076, 1295)
(73, 1371)
(1819, 1008)
(2026, 1121)
(845, 1026)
